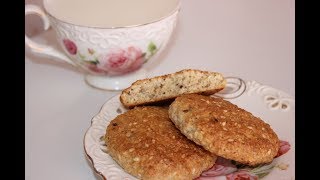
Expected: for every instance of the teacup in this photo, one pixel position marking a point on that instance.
(111, 52)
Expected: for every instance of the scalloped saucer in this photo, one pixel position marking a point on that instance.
(273, 106)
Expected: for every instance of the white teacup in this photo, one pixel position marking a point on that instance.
(112, 55)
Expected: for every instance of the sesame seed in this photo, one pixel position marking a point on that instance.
(230, 140)
(136, 159)
(225, 129)
(264, 136)
(249, 127)
(128, 134)
(146, 145)
(263, 129)
(153, 141)
(269, 152)
(223, 117)
(225, 111)
(131, 149)
(223, 123)
(193, 170)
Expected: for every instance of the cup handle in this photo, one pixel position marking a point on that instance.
(42, 48)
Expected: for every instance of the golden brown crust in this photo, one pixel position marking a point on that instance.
(169, 86)
(224, 129)
(146, 144)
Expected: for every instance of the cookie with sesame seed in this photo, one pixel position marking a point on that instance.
(146, 144)
(166, 88)
(224, 129)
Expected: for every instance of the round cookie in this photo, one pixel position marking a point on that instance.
(146, 144)
(224, 129)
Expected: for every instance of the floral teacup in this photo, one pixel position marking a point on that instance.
(111, 57)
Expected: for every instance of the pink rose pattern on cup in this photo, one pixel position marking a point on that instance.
(232, 170)
(121, 60)
(114, 62)
(70, 46)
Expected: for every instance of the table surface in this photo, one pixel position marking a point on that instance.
(250, 39)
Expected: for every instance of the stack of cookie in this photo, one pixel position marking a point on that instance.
(180, 141)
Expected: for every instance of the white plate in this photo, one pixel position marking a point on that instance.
(273, 106)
